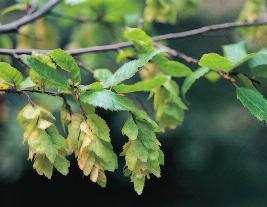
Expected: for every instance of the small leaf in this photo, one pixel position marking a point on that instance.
(130, 129)
(67, 63)
(216, 62)
(235, 52)
(189, 81)
(173, 68)
(140, 39)
(108, 100)
(142, 85)
(102, 74)
(62, 165)
(10, 74)
(129, 69)
(213, 76)
(48, 73)
(254, 102)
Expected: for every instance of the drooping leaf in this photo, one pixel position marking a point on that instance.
(142, 152)
(67, 63)
(142, 85)
(130, 129)
(129, 69)
(10, 74)
(189, 81)
(254, 102)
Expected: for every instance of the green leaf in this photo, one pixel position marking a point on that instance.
(108, 100)
(254, 102)
(173, 68)
(189, 81)
(216, 62)
(99, 126)
(213, 76)
(130, 129)
(140, 39)
(67, 63)
(47, 72)
(235, 52)
(26, 83)
(10, 74)
(102, 74)
(258, 64)
(246, 81)
(62, 165)
(142, 85)
(129, 69)
(123, 55)
(43, 166)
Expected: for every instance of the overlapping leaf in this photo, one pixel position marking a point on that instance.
(129, 69)
(142, 152)
(67, 63)
(9, 74)
(46, 146)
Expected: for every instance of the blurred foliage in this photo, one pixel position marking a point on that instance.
(218, 155)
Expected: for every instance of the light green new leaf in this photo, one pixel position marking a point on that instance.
(46, 72)
(140, 39)
(173, 68)
(216, 62)
(254, 102)
(189, 81)
(10, 74)
(142, 85)
(129, 69)
(67, 63)
(108, 100)
(235, 52)
(102, 74)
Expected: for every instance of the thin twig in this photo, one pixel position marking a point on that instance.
(121, 45)
(175, 53)
(19, 91)
(15, 25)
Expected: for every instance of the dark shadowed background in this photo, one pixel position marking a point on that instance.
(217, 158)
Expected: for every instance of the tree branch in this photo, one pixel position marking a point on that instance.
(15, 25)
(121, 45)
(21, 91)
